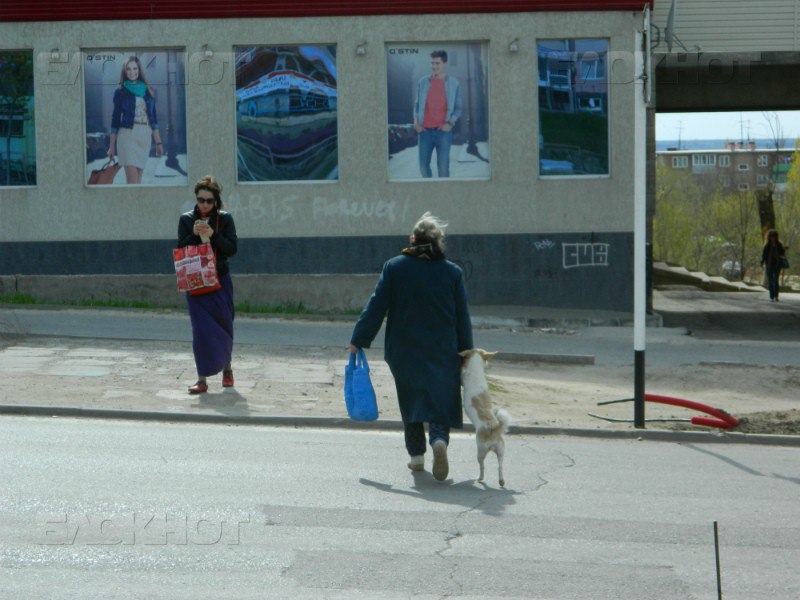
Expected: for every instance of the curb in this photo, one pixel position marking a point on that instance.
(700, 437)
(564, 359)
(479, 321)
(487, 322)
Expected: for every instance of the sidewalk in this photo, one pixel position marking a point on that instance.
(293, 372)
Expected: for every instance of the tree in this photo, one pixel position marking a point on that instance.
(680, 225)
(735, 224)
(788, 209)
(16, 90)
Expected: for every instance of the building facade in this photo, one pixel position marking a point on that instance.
(306, 115)
(739, 167)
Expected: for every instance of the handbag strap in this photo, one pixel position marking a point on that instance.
(362, 360)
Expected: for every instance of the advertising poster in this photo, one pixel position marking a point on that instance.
(286, 113)
(135, 117)
(17, 126)
(573, 107)
(438, 110)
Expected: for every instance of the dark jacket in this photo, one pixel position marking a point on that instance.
(224, 242)
(771, 257)
(125, 109)
(428, 324)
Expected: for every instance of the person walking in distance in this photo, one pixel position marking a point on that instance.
(773, 257)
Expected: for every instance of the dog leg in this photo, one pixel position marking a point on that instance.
(482, 452)
(500, 450)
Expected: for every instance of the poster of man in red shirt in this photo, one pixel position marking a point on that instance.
(438, 109)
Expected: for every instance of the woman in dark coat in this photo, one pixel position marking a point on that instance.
(772, 257)
(428, 324)
(212, 313)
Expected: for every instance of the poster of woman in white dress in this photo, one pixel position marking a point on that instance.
(135, 117)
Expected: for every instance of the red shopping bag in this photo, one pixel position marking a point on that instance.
(196, 269)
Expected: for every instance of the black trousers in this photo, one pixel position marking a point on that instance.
(415, 436)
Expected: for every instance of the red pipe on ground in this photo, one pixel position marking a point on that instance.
(723, 420)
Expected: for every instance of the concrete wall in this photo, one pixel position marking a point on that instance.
(61, 215)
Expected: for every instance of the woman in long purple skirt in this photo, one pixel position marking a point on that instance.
(212, 313)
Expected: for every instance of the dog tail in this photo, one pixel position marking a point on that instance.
(503, 418)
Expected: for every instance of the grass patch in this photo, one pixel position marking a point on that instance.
(16, 298)
(291, 308)
(113, 304)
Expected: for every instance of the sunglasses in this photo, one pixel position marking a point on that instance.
(205, 200)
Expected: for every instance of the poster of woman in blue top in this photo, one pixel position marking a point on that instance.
(136, 116)
(438, 110)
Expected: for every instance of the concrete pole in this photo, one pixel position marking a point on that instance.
(640, 217)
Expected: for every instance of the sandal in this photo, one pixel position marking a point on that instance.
(227, 378)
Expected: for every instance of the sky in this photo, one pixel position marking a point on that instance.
(724, 125)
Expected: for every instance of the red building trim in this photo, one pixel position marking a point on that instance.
(90, 10)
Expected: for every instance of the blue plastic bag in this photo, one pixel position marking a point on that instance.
(359, 395)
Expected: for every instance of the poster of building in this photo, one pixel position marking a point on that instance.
(136, 116)
(17, 122)
(286, 113)
(438, 105)
(573, 107)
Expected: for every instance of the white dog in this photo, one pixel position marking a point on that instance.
(490, 423)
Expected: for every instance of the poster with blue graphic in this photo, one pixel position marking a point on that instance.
(286, 113)
(17, 123)
(572, 77)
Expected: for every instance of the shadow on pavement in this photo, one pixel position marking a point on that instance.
(229, 402)
(469, 494)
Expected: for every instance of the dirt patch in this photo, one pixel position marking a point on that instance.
(764, 399)
(778, 422)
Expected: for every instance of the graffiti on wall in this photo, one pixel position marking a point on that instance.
(585, 255)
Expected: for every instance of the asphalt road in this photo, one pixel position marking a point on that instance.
(666, 346)
(106, 509)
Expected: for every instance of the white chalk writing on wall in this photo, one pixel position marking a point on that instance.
(325, 208)
(255, 207)
(544, 244)
(585, 255)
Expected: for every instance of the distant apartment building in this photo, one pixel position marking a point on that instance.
(740, 166)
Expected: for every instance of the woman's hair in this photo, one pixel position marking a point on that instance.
(772, 233)
(429, 230)
(210, 184)
(123, 77)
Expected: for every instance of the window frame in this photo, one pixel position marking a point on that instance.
(680, 162)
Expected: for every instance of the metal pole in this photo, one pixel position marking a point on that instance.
(716, 554)
(640, 218)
